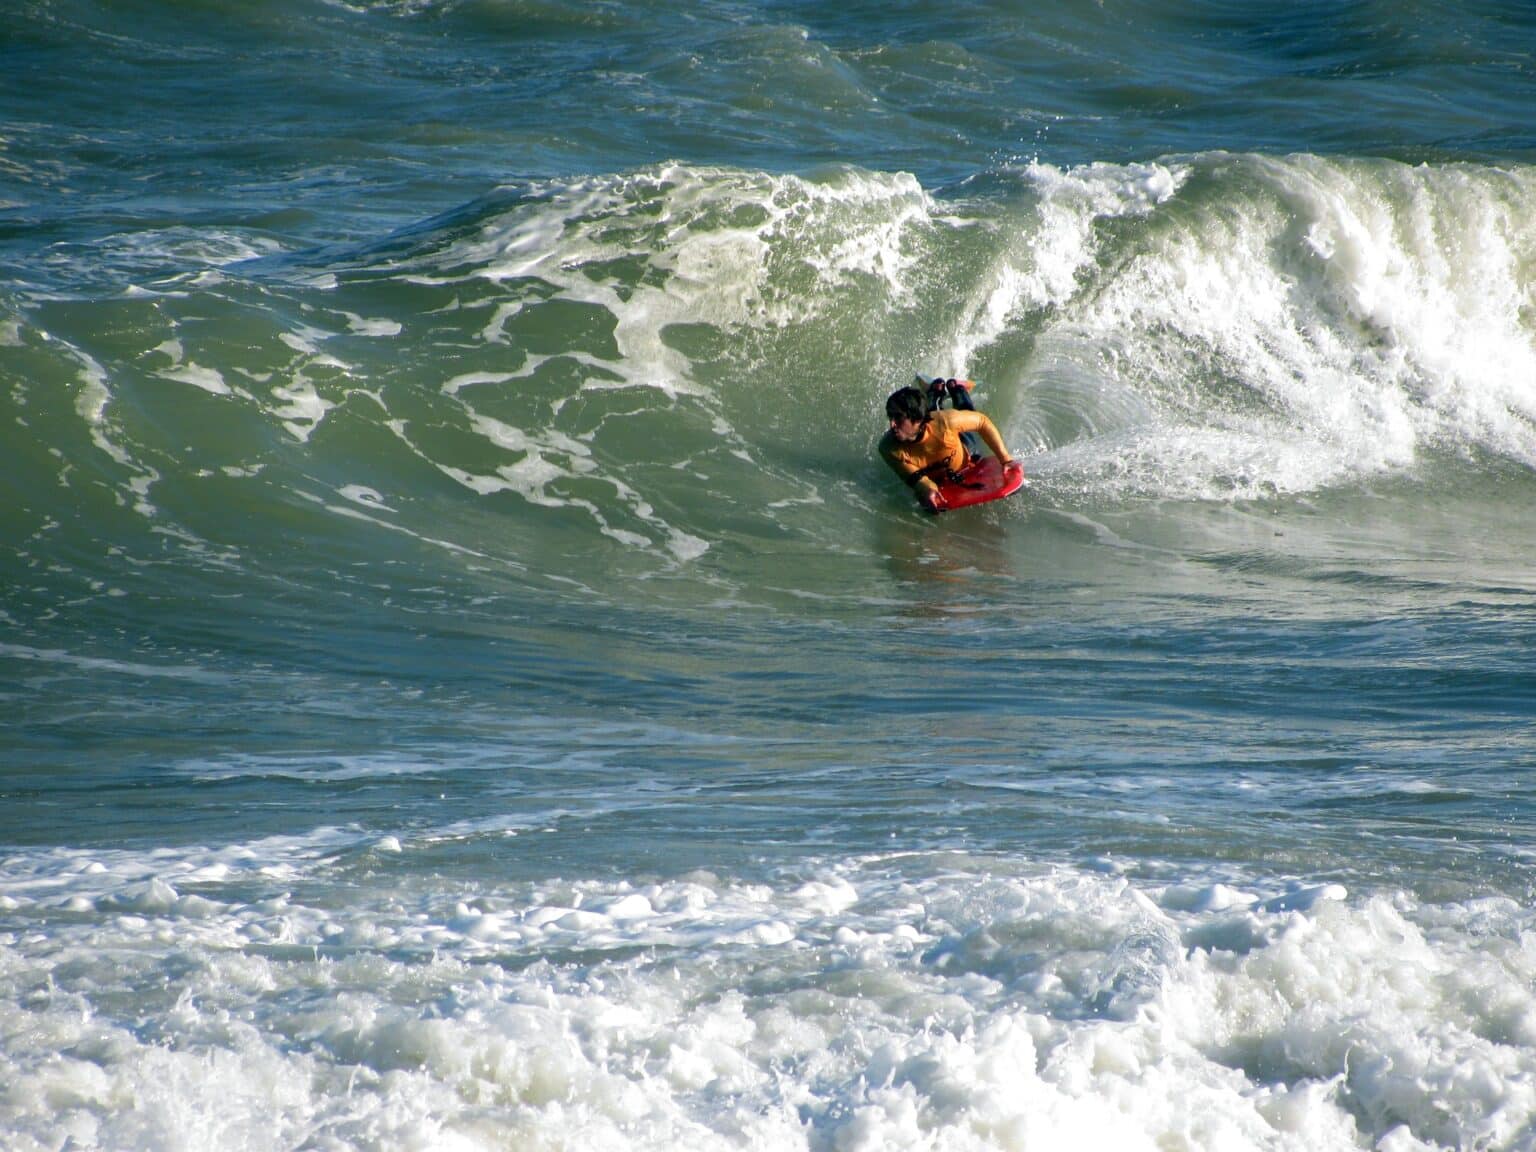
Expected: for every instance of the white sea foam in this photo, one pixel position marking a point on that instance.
(372, 326)
(226, 998)
(366, 496)
(717, 246)
(668, 249)
(1318, 322)
(302, 409)
(92, 404)
(1041, 263)
(353, 513)
(98, 664)
(549, 456)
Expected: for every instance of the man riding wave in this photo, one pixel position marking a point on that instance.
(926, 444)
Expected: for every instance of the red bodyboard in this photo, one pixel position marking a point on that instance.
(977, 483)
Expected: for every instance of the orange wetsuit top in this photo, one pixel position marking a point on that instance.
(939, 451)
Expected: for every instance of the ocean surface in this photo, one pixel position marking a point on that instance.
(467, 682)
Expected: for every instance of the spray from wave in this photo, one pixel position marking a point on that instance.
(1283, 326)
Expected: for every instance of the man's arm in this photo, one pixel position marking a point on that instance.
(979, 423)
(926, 491)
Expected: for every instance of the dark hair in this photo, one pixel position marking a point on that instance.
(907, 404)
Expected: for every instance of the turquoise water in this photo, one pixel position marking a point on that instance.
(469, 683)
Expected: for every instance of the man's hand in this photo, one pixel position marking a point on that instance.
(933, 500)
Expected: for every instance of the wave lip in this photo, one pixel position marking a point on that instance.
(1283, 325)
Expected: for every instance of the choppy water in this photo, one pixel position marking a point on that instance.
(468, 684)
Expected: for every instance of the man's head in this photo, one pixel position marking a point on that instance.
(907, 409)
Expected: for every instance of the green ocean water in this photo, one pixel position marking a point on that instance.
(469, 683)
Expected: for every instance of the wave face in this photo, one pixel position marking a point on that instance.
(629, 372)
